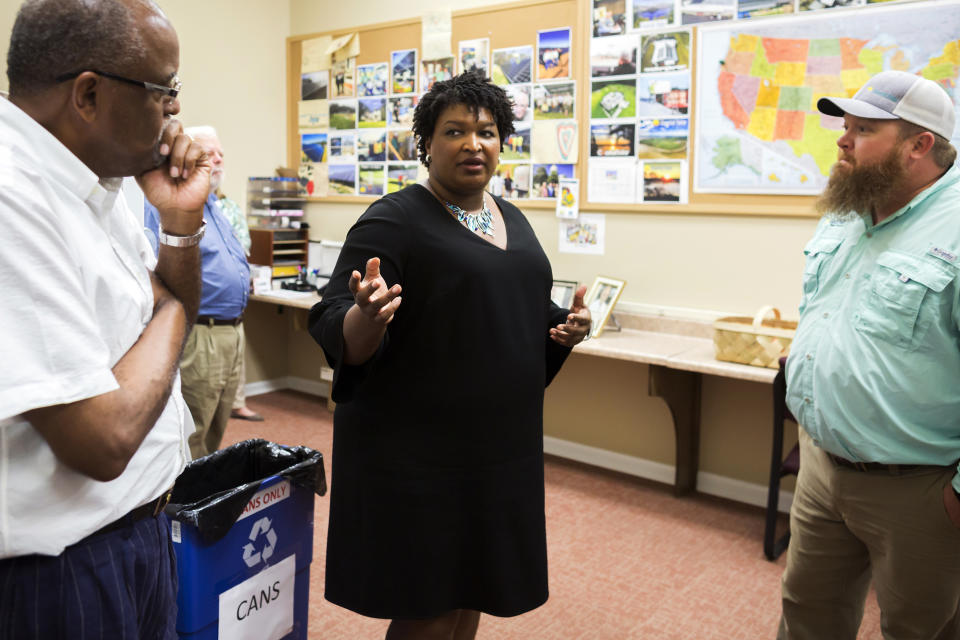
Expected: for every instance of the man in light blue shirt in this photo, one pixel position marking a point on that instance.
(213, 354)
(874, 376)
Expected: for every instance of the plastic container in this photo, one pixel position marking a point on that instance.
(243, 535)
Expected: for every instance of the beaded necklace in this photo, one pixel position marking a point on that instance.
(482, 220)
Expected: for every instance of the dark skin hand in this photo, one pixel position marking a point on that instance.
(578, 322)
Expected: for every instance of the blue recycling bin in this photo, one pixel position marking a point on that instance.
(242, 527)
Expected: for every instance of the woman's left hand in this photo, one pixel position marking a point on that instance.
(578, 322)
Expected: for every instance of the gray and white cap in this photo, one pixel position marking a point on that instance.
(892, 95)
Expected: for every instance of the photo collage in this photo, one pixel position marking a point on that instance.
(543, 148)
(639, 104)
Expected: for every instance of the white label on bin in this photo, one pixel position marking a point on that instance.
(175, 530)
(266, 497)
(261, 607)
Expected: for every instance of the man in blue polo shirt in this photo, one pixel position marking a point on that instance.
(213, 354)
(874, 376)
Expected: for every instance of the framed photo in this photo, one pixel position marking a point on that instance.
(601, 299)
(562, 292)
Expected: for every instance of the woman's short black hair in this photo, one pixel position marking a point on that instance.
(472, 89)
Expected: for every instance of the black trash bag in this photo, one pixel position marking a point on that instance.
(212, 491)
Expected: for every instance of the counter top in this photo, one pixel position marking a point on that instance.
(287, 298)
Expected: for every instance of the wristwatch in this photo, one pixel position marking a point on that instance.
(181, 241)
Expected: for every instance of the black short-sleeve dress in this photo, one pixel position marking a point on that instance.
(437, 489)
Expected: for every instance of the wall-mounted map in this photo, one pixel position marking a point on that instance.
(758, 129)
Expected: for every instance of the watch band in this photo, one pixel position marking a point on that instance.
(182, 241)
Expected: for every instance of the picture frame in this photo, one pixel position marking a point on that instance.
(601, 299)
(562, 292)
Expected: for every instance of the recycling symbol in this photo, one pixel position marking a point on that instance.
(250, 555)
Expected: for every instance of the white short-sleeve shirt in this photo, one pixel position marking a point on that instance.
(75, 295)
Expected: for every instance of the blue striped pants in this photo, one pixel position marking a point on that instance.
(120, 585)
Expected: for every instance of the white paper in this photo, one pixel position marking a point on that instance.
(436, 28)
(314, 55)
(611, 180)
(261, 607)
(568, 198)
(584, 235)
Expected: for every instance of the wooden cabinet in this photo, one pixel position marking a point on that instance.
(284, 250)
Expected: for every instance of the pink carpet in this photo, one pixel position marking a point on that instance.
(627, 559)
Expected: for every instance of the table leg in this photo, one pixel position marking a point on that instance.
(681, 391)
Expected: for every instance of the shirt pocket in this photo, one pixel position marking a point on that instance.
(818, 251)
(902, 288)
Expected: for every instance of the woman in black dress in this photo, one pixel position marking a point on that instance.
(436, 510)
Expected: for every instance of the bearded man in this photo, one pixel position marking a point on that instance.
(873, 376)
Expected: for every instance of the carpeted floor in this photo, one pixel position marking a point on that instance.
(627, 559)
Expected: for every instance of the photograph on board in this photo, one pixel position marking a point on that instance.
(609, 18)
(372, 145)
(612, 140)
(434, 71)
(343, 74)
(546, 179)
(372, 79)
(662, 138)
(553, 54)
(517, 144)
(613, 98)
(313, 147)
(474, 54)
(343, 147)
(342, 179)
(403, 68)
(400, 111)
(762, 8)
(313, 85)
(615, 56)
(512, 66)
(554, 100)
(401, 146)
(343, 114)
(816, 5)
(697, 11)
(520, 101)
(663, 94)
(370, 179)
(516, 180)
(661, 181)
(554, 141)
(668, 51)
(372, 113)
(655, 14)
(400, 176)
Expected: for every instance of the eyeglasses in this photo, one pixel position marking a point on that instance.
(170, 91)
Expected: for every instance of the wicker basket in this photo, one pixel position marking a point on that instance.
(758, 341)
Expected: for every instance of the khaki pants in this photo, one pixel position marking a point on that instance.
(845, 524)
(210, 373)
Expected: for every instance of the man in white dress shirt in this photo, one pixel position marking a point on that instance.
(92, 424)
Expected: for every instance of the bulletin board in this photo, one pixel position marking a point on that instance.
(518, 24)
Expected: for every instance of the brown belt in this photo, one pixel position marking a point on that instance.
(152, 509)
(210, 321)
(893, 469)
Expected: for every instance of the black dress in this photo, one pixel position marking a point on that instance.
(437, 489)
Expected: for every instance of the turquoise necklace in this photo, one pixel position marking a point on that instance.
(481, 221)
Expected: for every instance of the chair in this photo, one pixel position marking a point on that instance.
(780, 466)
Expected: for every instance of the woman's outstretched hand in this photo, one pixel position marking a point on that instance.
(578, 322)
(371, 295)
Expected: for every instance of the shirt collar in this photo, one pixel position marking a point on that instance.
(952, 175)
(62, 165)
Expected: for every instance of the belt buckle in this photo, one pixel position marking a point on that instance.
(162, 503)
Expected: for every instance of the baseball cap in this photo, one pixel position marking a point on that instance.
(892, 95)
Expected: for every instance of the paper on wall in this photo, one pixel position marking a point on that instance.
(568, 198)
(313, 114)
(437, 30)
(611, 180)
(584, 235)
(555, 141)
(344, 47)
(314, 55)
